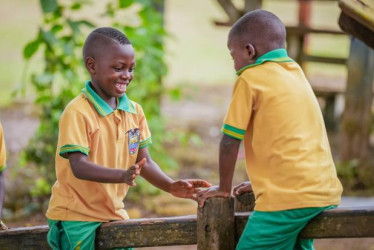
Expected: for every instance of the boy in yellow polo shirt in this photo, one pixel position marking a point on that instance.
(2, 179)
(102, 148)
(274, 110)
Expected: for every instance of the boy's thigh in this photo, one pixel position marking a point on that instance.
(277, 230)
(72, 235)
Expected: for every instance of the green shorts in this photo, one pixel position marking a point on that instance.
(73, 235)
(278, 230)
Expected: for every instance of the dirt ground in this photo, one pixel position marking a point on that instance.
(200, 111)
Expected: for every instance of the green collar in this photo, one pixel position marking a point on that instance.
(102, 107)
(277, 55)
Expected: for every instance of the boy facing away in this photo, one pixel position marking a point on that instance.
(102, 148)
(274, 110)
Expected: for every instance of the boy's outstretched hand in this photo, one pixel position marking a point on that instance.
(188, 188)
(133, 172)
(244, 187)
(211, 192)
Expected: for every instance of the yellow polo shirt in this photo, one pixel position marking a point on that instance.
(2, 150)
(110, 138)
(275, 111)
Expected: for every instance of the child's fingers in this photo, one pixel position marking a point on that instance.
(185, 184)
(141, 163)
(243, 189)
(236, 188)
(200, 183)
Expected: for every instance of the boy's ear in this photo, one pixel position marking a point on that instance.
(251, 51)
(90, 65)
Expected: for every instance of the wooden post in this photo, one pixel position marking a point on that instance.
(245, 202)
(304, 22)
(358, 102)
(216, 225)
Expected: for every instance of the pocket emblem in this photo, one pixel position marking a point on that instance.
(133, 140)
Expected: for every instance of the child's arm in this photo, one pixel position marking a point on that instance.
(228, 152)
(181, 188)
(86, 170)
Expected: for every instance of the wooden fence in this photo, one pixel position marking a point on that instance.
(216, 226)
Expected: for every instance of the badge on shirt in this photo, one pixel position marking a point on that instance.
(133, 140)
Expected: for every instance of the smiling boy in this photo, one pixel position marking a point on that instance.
(102, 148)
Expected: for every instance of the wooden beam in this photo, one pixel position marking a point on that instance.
(360, 10)
(171, 231)
(356, 29)
(31, 238)
(299, 30)
(323, 59)
(232, 12)
(336, 223)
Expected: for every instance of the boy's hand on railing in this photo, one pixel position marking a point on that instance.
(211, 192)
(244, 187)
(133, 172)
(188, 188)
(3, 226)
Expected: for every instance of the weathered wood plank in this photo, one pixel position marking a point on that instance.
(32, 238)
(357, 19)
(341, 223)
(360, 10)
(336, 223)
(134, 232)
(148, 232)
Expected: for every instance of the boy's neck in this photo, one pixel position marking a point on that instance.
(112, 101)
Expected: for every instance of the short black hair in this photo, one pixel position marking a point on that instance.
(262, 27)
(102, 36)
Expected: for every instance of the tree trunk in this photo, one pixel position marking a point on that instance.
(358, 102)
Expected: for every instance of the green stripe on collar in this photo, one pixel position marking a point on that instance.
(102, 107)
(277, 55)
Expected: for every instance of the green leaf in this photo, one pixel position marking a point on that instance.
(76, 6)
(49, 5)
(30, 49)
(125, 3)
(57, 28)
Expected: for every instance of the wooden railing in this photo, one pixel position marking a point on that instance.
(216, 226)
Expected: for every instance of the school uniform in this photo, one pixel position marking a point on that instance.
(110, 138)
(289, 162)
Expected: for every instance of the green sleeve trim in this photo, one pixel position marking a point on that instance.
(145, 143)
(69, 148)
(233, 132)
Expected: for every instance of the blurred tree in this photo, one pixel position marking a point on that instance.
(60, 40)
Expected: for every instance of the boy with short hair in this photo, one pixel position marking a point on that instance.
(2, 179)
(102, 148)
(275, 111)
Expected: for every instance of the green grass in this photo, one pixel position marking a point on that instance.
(196, 49)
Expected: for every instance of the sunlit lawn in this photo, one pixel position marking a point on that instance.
(196, 49)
